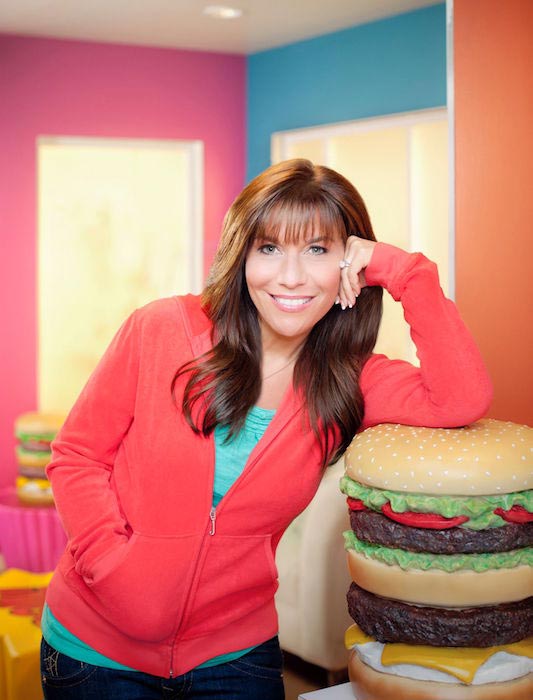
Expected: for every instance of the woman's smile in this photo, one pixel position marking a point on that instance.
(291, 303)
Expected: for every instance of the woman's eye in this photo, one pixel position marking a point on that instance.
(317, 250)
(267, 249)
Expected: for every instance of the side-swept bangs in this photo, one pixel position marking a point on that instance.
(293, 219)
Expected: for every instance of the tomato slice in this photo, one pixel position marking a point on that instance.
(432, 521)
(517, 514)
(355, 504)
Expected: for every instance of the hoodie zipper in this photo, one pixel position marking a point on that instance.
(211, 531)
(213, 518)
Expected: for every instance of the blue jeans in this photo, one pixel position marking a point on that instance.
(256, 675)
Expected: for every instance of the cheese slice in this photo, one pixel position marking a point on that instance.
(355, 635)
(461, 662)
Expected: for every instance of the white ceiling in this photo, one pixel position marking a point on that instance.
(180, 23)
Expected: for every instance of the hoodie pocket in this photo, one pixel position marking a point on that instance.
(238, 577)
(140, 587)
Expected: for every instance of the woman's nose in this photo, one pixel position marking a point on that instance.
(292, 272)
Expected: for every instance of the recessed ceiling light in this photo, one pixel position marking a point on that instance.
(222, 11)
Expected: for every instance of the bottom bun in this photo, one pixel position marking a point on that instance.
(35, 499)
(368, 684)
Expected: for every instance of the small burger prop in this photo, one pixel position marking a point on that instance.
(33, 433)
(441, 558)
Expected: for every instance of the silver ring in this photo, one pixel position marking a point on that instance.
(344, 263)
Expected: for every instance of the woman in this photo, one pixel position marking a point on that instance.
(205, 430)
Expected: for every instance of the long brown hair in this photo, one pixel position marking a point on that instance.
(288, 199)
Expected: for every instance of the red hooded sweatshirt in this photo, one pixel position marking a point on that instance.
(151, 576)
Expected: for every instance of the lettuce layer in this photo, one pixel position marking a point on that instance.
(479, 509)
(444, 562)
(45, 435)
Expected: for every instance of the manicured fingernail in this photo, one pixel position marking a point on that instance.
(337, 300)
(343, 306)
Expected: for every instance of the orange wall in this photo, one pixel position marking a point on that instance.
(493, 69)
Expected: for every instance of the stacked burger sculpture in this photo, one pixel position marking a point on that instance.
(440, 553)
(34, 433)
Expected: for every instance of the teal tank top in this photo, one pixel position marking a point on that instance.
(230, 459)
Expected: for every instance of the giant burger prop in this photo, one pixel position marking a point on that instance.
(441, 558)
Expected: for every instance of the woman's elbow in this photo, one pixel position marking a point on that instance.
(472, 404)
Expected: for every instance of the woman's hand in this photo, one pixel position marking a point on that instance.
(358, 253)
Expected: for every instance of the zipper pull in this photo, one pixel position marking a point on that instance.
(212, 517)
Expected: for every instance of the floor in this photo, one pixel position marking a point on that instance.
(301, 677)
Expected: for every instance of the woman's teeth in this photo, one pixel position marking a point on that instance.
(292, 302)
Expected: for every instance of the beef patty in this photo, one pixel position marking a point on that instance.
(389, 620)
(376, 528)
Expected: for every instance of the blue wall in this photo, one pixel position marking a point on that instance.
(393, 65)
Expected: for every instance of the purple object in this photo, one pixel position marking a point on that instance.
(31, 537)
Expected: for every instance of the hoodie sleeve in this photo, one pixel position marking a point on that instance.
(451, 387)
(84, 451)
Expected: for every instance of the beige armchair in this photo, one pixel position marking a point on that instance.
(314, 579)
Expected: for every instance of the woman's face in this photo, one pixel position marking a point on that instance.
(293, 285)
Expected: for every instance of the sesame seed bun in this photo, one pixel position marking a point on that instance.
(488, 457)
(35, 423)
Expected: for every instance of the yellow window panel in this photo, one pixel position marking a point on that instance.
(115, 232)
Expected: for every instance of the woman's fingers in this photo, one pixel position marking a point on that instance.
(350, 284)
(357, 255)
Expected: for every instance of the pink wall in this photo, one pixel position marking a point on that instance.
(51, 87)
